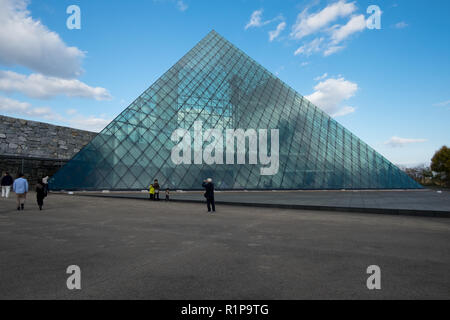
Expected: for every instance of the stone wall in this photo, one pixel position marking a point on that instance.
(33, 168)
(20, 137)
(37, 149)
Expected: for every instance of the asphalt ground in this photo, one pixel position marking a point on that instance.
(135, 249)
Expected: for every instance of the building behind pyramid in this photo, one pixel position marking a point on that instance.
(219, 86)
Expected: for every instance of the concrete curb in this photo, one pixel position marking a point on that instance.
(387, 211)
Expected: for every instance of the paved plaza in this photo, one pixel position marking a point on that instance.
(406, 202)
(135, 249)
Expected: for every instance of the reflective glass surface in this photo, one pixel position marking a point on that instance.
(220, 85)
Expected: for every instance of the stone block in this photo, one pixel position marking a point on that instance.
(31, 138)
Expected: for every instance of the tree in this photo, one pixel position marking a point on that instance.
(427, 175)
(422, 174)
(441, 164)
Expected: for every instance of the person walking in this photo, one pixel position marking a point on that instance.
(157, 187)
(7, 182)
(45, 184)
(151, 192)
(209, 194)
(20, 187)
(41, 193)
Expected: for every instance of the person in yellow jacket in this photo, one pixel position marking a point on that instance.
(151, 191)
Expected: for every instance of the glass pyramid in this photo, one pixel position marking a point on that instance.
(219, 85)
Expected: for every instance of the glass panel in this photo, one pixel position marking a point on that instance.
(218, 84)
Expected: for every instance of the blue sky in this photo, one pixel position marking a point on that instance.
(389, 86)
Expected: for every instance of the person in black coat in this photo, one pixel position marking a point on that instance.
(7, 182)
(209, 194)
(157, 188)
(41, 193)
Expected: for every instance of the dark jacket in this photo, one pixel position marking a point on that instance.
(7, 180)
(209, 189)
(40, 191)
(156, 186)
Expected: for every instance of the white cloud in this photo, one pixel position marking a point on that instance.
(255, 19)
(279, 70)
(19, 108)
(442, 104)
(181, 5)
(304, 64)
(310, 47)
(344, 111)
(337, 35)
(25, 109)
(90, 123)
(27, 42)
(401, 25)
(355, 24)
(329, 95)
(331, 36)
(43, 87)
(332, 50)
(396, 142)
(311, 23)
(275, 33)
(321, 77)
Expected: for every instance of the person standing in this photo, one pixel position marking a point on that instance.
(41, 193)
(7, 182)
(20, 187)
(157, 187)
(151, 192)
(167, 194)
(209, 194)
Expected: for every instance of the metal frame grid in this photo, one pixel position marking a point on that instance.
(217, 83)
